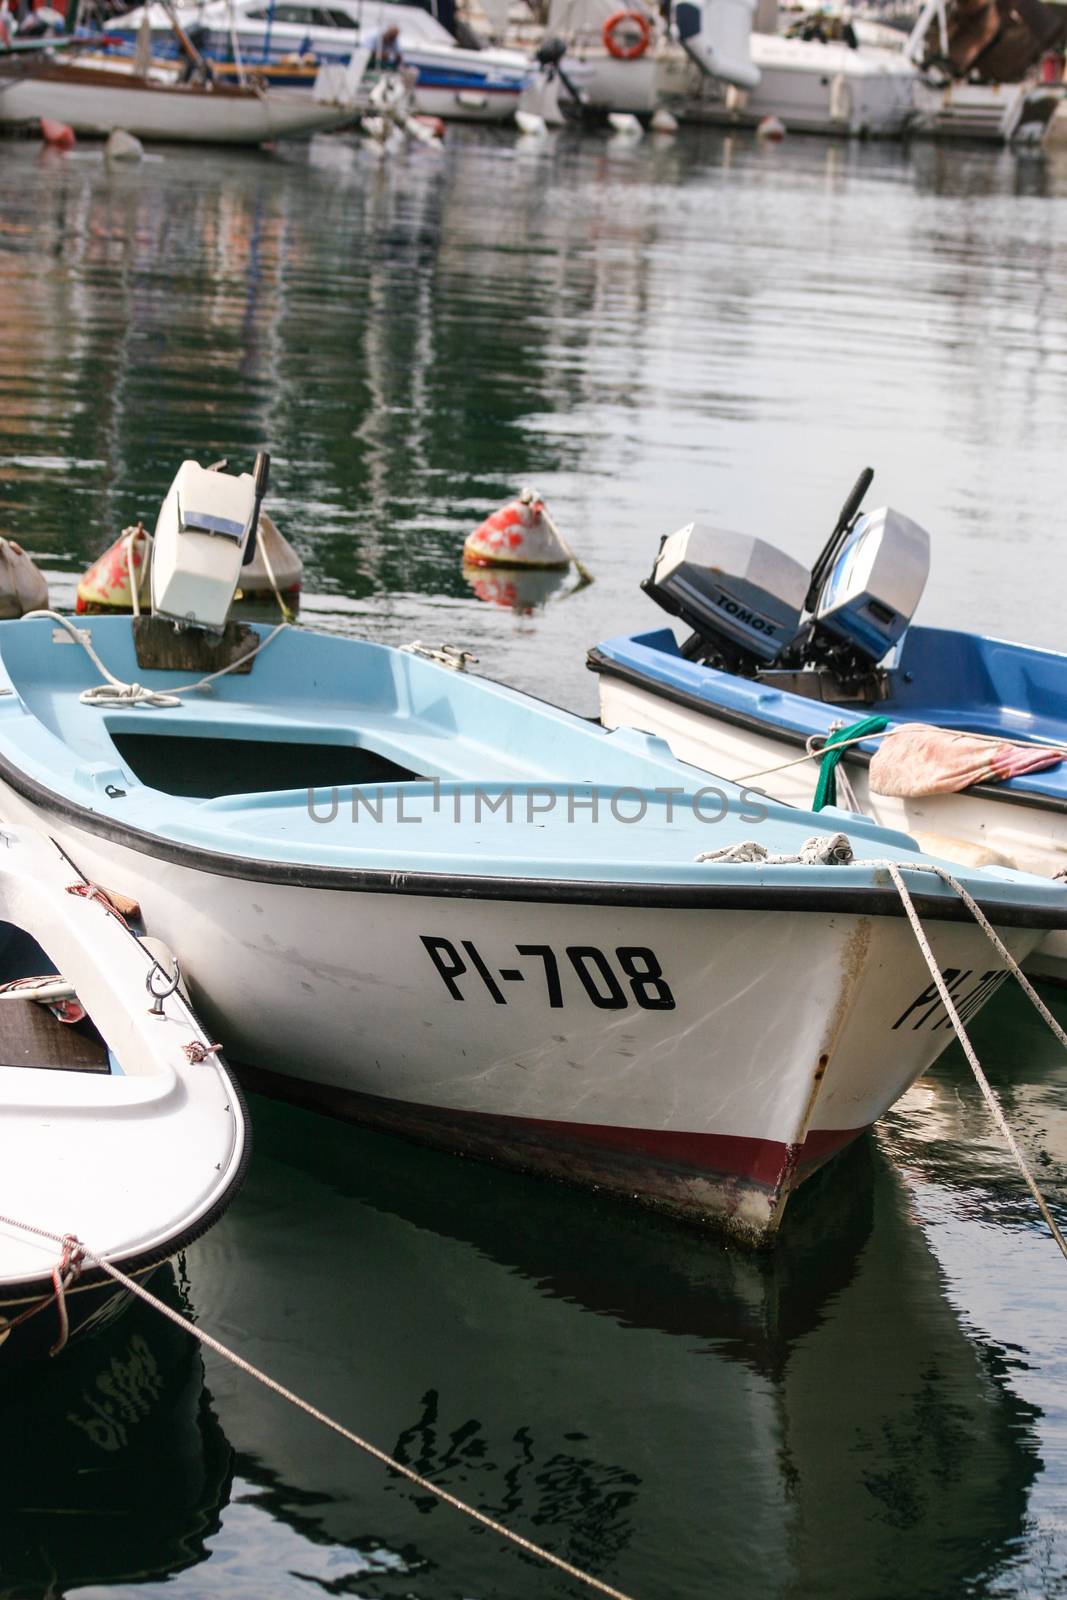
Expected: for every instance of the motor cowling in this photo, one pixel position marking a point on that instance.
(741, 596)
(874, 584)
(201, 539)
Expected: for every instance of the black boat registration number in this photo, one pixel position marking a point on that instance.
(609, 982)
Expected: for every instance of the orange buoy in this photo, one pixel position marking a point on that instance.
(436, 125)
(518, 535)
(106, 585)
(57, 134)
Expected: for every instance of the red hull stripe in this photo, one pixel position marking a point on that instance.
(759, 1161)
(597, 1150)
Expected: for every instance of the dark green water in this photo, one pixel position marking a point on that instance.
(876, 1413)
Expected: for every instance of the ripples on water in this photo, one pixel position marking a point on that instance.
(698, 326)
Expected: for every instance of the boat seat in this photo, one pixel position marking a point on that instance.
(30, 1036)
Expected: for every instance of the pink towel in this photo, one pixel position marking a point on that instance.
(921, 760)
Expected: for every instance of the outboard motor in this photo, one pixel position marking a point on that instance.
(741, 596)
(873, 587)
(204, 534)
(744, 600)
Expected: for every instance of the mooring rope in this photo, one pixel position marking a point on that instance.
(835, 850)
(73, 1247)
(983, 1082)
(1035, 740)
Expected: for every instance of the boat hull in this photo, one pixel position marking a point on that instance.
(700, 1059)
(90, 1309)
(994, 113)
(970, 827)
(814, 88)
(95, 101)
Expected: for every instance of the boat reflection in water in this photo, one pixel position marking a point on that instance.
(680, 1418)
(114, 1467)
(518, 589)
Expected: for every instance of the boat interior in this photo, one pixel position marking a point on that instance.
(31, 1034)
(949, 679)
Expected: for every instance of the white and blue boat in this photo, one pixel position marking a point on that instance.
(119, 1125)
(284, 42)
(405, 894)
(781, 662)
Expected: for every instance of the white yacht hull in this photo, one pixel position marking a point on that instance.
(815, 88)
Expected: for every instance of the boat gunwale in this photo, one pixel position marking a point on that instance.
(605, 666)
(16, 1290)
(851, 900)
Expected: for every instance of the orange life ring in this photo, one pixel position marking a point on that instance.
(629, 20)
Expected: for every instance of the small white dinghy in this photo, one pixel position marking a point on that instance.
(119, 1124)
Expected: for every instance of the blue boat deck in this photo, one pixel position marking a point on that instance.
(941, 677)
(347, 755)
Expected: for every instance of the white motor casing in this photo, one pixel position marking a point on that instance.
(876, 582)
(731, 586)
(201, 535)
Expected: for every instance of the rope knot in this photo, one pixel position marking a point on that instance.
(195, 1051)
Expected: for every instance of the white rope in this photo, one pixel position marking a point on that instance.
(116, 694)
(824, 750)
(265, 553)
(961, 1032)
(131, 536)
(207, 1339)
(834, 850)
(1035, 740)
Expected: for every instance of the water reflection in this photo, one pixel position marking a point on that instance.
(114, 1467)
(681, 1418)
(695, 326)
(516, 590)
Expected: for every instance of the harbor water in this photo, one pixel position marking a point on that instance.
(648, 332)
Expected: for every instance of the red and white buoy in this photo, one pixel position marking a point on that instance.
(106, 586)
(520, 534)
(772, 128)
(275, 570)
(57, 135)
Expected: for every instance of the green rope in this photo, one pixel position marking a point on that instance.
(826, 788)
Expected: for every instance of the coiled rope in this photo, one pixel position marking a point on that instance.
(73, 1248)
(114, 693)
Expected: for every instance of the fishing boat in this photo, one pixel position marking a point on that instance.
(415, 897)
(121, 1128)
(285, 43)
(95, 94)
(755, 692)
